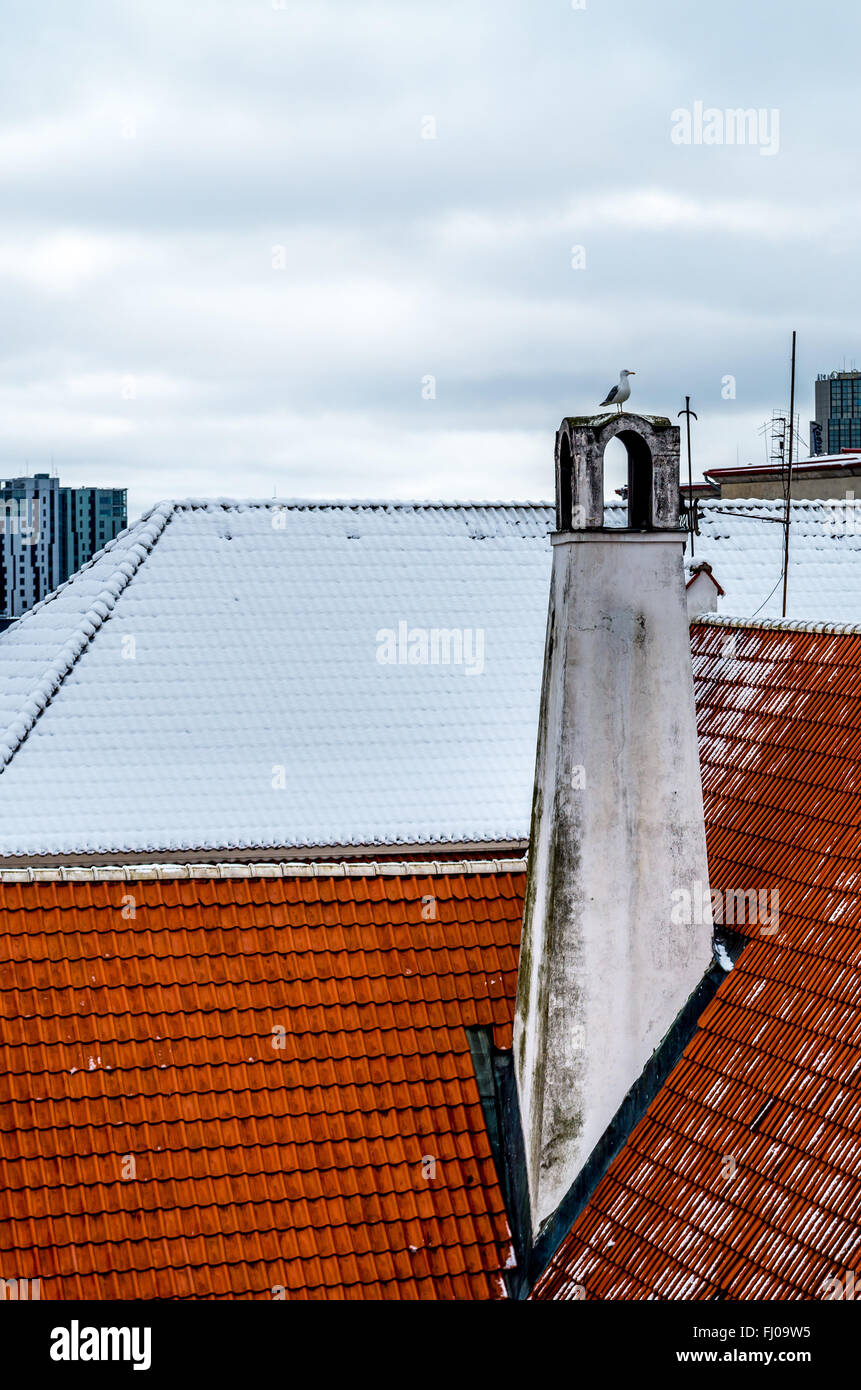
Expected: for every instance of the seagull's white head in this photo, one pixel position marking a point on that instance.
(627, 373)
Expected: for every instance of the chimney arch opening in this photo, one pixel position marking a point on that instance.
(615, 470)
(565, 485)
(640, 516)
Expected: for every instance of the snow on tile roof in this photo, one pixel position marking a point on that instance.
(742, 539)
(39, 652)
(218, 646)
(212, 680)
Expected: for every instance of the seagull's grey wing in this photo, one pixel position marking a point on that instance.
(611, 395)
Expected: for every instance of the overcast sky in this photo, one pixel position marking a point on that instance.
(231, 257)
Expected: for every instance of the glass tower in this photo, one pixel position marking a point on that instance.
(838, 412)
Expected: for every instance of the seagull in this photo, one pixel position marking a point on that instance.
(617, 395)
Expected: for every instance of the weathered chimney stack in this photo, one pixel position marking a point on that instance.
(617, 823)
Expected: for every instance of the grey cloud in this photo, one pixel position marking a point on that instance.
(150, 256)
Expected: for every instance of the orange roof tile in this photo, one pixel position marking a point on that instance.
(149, 1039)
(771, 1081)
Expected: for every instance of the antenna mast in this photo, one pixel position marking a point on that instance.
(789, 479)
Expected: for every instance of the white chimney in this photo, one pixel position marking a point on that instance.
(703, 590)
(609, 955)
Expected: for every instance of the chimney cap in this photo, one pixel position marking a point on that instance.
(658, 422)
(652, 445)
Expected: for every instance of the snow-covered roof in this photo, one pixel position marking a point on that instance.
(742, 539)
(212, 679)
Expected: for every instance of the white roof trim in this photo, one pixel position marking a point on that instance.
(776, 624)
(137, 873)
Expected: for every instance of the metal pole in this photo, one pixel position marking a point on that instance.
(789, 480)
(687, 412)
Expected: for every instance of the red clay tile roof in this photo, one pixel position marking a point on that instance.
(772, 1077)
(151, 1037)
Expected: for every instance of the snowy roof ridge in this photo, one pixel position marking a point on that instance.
(130, 873)
(148, 531)
(113, 544)
(776, 624)
(768, 503)
(339, 504)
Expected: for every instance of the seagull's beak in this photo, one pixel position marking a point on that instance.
(627, 373)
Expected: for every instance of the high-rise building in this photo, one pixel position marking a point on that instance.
(29, 554)
(838, 413)
(47, 532)
(89, 518)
